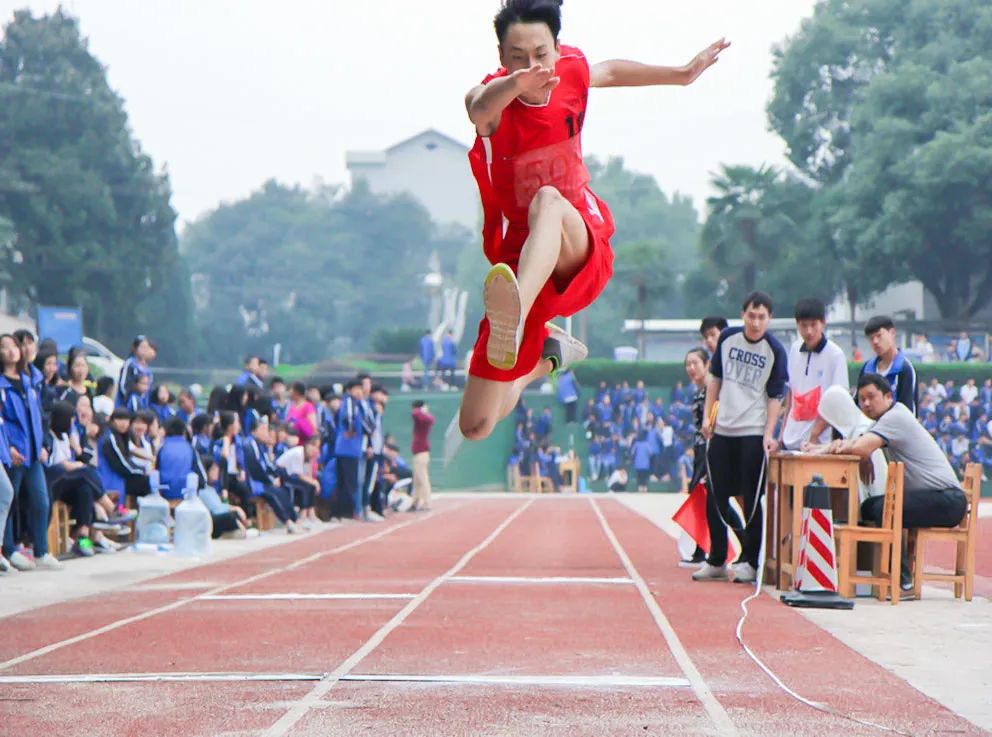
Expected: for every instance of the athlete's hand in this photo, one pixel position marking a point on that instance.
(771, 444)
(705, 59)
(534, 81)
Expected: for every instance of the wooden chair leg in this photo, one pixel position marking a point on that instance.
(918, 546)
(881, 560)
(895, 569)
(844, 567)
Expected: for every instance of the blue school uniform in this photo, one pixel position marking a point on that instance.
(176, 459)
(21, 412)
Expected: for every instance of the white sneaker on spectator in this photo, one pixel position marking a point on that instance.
(375, 516)
(21, 562)
(5, 566)
(49, 562)
(291, 528)
(744, 572)
(710, 573)
(238, 534)
(106, 545)
(252, 532)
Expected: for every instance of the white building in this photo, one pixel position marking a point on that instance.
(430, 166)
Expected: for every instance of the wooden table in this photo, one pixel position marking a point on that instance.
(787, 474)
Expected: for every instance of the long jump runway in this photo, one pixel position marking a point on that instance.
(509, 616)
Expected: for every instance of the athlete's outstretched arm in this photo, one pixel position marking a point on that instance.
(485, 102)
(622, 73)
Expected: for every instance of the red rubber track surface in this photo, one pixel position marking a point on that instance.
(457, 628)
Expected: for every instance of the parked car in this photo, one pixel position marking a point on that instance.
(103, 361)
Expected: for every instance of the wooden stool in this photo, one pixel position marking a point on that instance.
(888, 537)
(265, 518)
(59, 529)
(964, 537)
(570, 469)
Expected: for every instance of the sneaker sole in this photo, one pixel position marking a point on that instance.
(501, 297)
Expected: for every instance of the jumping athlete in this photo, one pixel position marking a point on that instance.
(545, 232)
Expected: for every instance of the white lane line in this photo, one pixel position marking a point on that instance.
(300, 597)
(612, 681)
(713, 707)
(538, 580)
(604, 681)
(158, 677)
(217, 590)
(299, 710)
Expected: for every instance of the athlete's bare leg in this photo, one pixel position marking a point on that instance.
(557, 246)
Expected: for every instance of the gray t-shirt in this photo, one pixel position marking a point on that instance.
(925, 466)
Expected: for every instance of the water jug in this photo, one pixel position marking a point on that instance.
(194, 524)
(153, 515)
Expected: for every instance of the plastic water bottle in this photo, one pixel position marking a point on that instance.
(153, 515)
(194, 525)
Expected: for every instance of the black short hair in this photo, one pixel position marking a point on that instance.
(528, 11)
(146, 416)
(379, 388)
(199, 423)
(758, 298)
(876, 380)
(299, 387)
(226, 419)
(277, 380)
(701, 352)
(174, 427)
(879, 322)
(103, 384)
(713, 321)
(60, 421)
(417, 403)
(121, 413)
(811, 308)
(363, 376)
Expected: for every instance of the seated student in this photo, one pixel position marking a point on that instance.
(687, 467)
(222, 513)
(161, 403)
(137, 394)
(187, 406)
(75, 483)
(547, 464)
(396, 478)
(228, 452)
(115, 454)
(593, 457)
(140, 447)
(264, 479)
(838, 411)
(282, 438)
(200, 428)
(103, 398)
(295, 465)
(617, 480)
(932, 494)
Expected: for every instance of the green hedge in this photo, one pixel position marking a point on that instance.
(653, 373)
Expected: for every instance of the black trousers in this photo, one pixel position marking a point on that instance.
(571, 411)
(937, 508)
(281, 501)
(303, 491)
(347, 484)
(699, 475)
(736, 467)
(224, 522)
(76, 492)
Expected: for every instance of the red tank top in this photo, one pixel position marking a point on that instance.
(534, 146)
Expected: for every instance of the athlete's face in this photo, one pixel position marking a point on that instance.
(710, 338)
(527, 45)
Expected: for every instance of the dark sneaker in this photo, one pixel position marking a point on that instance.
(562, 349)
(83, 548)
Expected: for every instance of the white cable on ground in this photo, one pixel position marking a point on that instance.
(768, 671)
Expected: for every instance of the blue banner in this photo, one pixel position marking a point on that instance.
(64, 325)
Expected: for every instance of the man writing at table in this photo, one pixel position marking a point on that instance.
(932, 495)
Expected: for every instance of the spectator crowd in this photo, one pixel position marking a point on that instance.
(308, 454)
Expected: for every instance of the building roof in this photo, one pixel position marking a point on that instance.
(378, 158)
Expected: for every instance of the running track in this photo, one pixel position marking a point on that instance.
(511, 616)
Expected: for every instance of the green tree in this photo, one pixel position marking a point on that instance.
(93, 221)
(320, 272)
(884, 105)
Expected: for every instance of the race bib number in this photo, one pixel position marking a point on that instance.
(559, 165)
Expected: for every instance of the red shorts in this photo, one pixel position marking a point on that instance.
(580, 292)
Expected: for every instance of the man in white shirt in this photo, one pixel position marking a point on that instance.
(969, 392)
(815, 364)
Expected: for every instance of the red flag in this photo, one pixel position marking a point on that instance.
(691, 517)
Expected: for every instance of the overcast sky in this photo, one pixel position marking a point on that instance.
(228, 93)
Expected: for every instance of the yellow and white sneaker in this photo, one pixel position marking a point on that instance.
(501, 297)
